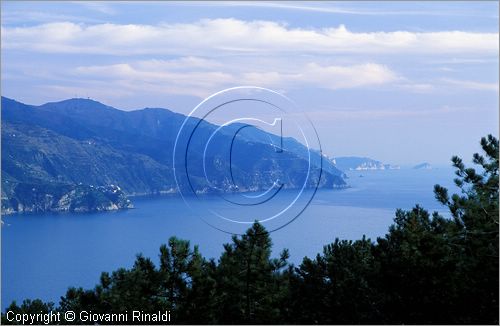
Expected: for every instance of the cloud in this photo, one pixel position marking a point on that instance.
(336, 114)
(337, 77)
(327, 7)
(421, 88)
(213, 37)
(26, 16)
(97, 6)
(201, 77)
(474, 85)
(284, 5)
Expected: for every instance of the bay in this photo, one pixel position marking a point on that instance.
(44, 254)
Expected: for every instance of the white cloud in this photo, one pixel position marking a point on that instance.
(418, 87)
(333, 8)
(97, 6)
(212, 37)
(200, 77)
(337, 114)
(218, 53)
(336, 77)
(284, 5)
(24, 17)
(469, 84)
(191, 75)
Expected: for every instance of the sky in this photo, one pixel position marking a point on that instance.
(401, 82)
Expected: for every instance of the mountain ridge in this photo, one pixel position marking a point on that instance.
(82, 141)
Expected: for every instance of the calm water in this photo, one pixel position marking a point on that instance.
(44, 254)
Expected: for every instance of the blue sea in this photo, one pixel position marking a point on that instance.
(44, 254)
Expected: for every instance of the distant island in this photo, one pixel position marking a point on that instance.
(423, 166)
(355, 163)
(82, 155)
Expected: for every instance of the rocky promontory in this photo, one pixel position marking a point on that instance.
(38, 198)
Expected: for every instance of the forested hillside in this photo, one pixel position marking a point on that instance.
(84, 142)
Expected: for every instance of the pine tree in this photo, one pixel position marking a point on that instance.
(474, 234)
(248, 289)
